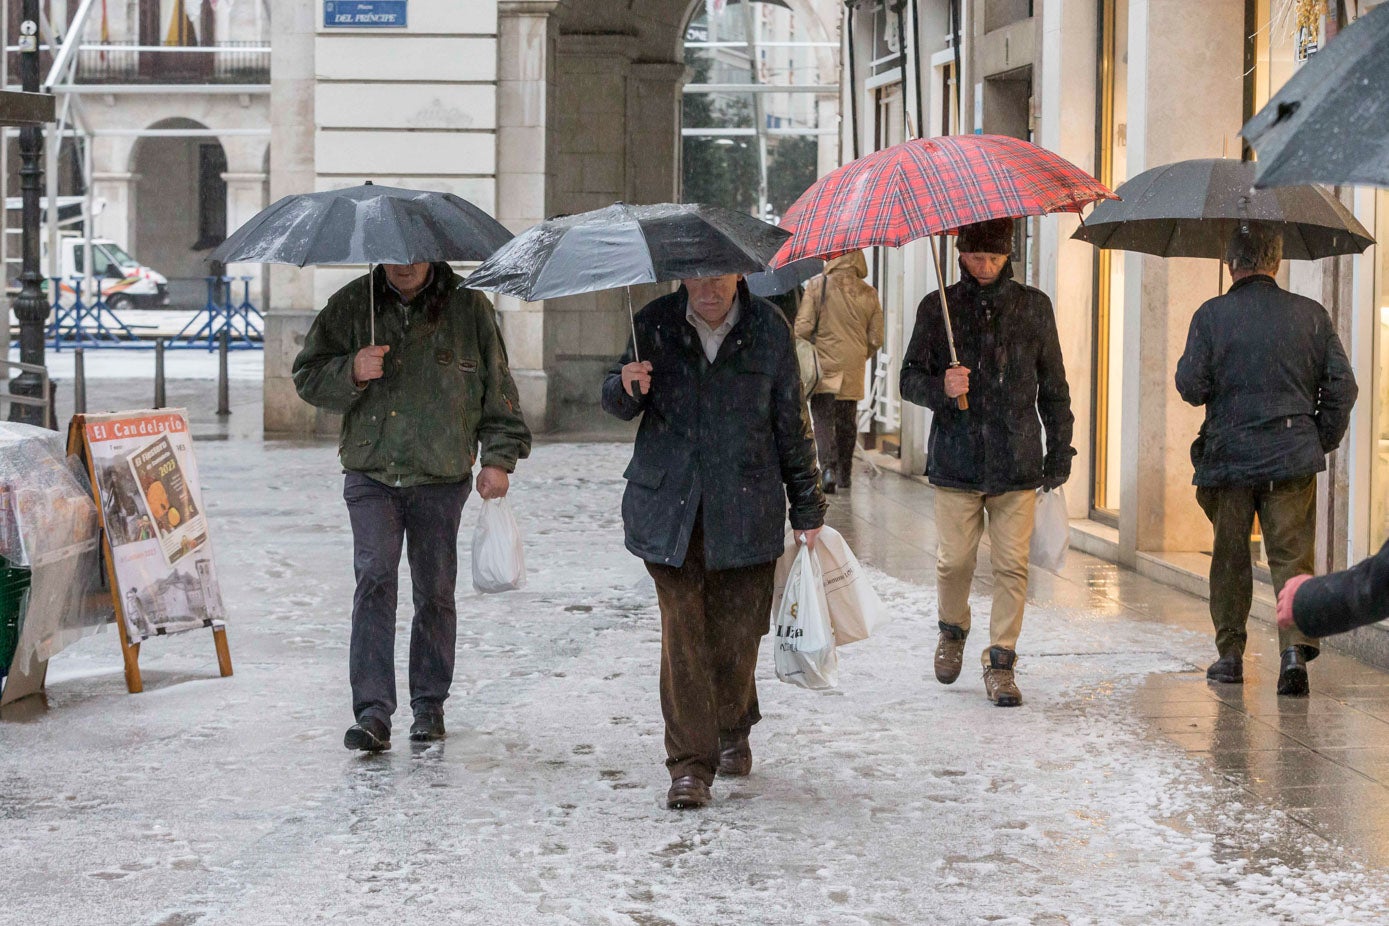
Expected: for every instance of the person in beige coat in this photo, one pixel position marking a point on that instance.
(842, 316)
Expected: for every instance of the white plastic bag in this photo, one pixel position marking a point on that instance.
(805, 654)
(855, 610)
(499, 562)
(1051, 534)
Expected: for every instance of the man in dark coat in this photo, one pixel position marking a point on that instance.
(421, 392)
(989, 457)
(1278, 391)
(1323, 605)
(724, 444)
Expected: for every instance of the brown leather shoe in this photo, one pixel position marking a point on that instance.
(687, 793)
(950, 653)
(998, 678)
(735, 756)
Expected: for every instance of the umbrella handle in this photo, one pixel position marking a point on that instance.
(631, 316)
(371, 290)
(961, 402)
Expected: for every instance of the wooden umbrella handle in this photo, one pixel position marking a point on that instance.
(962, 402)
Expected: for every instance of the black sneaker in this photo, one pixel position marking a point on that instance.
(368, 735)
(428, 727)
(1228, 669)
(1292, 673)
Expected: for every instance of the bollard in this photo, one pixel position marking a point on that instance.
(223, 387)
(79, 382)
(159, 373)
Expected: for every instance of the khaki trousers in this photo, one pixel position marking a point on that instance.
(712, 622)
(960, 523)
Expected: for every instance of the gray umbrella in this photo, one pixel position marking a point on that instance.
(623, 246)
(1191, 208)
(784, 279)
(1330, 122)
(365, 224)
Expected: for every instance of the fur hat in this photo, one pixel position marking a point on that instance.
(992, 237)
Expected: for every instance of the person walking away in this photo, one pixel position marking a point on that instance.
(843, 317)
(988, 459)
(724, 445)
(1270, 371)
(418, 402)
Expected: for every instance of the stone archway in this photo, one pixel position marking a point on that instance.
(181, 201)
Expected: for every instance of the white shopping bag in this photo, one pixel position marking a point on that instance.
(1051, 534)
(499, 562)
(855, 610)
(805, 653)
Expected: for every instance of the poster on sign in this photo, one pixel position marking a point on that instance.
(146, 479)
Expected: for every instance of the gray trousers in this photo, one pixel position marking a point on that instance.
(424, 520)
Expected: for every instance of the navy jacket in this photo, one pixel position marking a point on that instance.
(731, 436)
(1006, 335)
(1344, 600)
(1270, 370)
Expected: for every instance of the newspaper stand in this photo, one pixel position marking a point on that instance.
(130, 650)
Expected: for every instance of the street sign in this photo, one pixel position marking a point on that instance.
(364, 14)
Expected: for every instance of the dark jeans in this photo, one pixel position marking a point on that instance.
(1288, 519)
(711, 625)
(836, 432)
(423, 519)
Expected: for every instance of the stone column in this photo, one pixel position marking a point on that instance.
(291, 309)
(526, 32)
(245, 197)
(1066, 87)
(117, 218)
(1185, 101)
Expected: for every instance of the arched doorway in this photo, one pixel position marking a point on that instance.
(757, 149)
(181, 201)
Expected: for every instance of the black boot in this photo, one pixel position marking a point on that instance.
(368, 735)
(1228, 669)
(428, 726)
(827, 481)
(1292, 673)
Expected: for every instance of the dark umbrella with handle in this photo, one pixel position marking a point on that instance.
(365, 224)
(625, 246)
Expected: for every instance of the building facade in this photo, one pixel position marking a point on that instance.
(528, 108)
(1118, 87)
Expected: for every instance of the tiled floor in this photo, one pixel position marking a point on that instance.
(1324, 760)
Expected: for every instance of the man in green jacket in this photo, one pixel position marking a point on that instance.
(421, 388)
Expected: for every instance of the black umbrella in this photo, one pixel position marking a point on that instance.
(1191, 208)
(366, 224)
(784, 279)
(625, 245)
(1330, 122)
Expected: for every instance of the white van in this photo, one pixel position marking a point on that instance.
(125, 282)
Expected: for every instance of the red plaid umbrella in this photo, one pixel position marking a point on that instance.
(931, 186)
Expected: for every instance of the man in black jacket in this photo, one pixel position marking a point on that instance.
(1323, 605)
(724, 444)
(1278, 391)
(989, 458)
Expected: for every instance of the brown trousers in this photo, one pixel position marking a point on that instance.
(712, 623)
(1288, 518)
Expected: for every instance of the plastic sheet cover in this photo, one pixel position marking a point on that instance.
(48, 523)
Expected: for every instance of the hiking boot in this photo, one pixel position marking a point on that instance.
(687, 793)
(735, 756)
(1228, 669)
(998, 678)
(950, 652)
(428, 726)
(368, 735)
(1292, 673)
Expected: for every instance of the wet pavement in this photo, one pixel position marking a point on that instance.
(1124, 791)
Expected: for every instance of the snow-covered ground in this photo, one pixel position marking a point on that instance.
(132, 363)
(893, 800)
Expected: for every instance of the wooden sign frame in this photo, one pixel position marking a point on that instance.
(130, 652)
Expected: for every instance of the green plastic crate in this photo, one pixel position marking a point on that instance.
(14, 591)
